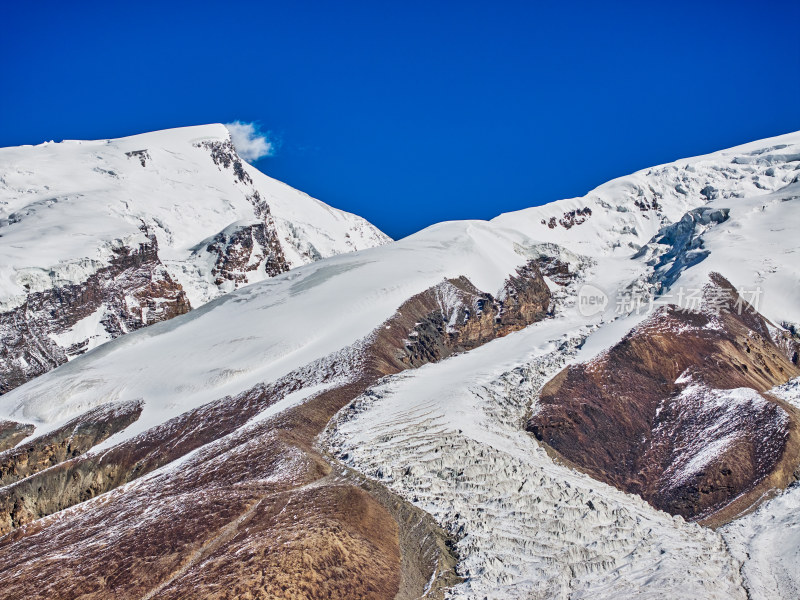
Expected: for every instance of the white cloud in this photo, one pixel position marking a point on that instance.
(249, 142)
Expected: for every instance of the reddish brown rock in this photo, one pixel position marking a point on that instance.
(654, 415)
(69, 441)
(26, 347)
(455, 316)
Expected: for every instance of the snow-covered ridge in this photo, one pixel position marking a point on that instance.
(264, 331)
(63, 204)
(625, 213)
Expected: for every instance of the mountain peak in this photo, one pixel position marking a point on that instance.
(179, 203)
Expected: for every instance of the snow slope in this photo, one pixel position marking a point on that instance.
(266, 330)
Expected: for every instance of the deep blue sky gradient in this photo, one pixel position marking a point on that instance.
(409, 113)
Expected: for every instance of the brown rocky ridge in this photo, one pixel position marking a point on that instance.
(679, 412)
(12, 433)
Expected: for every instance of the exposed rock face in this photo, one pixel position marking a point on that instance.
(557, 270)
(788, 340)
(224, 156)
(455, 316)
(256, 508)
(243, 250)
(142, 155)
(675, 412)
(570, 218)
(12, 433)
(645, 203)
(133, 291)
(69, 441)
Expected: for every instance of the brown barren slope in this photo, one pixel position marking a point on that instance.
(676, 411)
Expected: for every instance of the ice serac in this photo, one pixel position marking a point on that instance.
(100, 238)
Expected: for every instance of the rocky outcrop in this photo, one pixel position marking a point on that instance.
(787, 339)
(677, 412)
(570, 218)
(557, 270)
(69, 441)
(455, 316)
(133, 291)
(245, 249)
(224, 156)
(11, 433)
(142, 155)
(242, 249)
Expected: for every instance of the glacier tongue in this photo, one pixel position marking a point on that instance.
(448, 437)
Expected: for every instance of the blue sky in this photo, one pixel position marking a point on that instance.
(409, 113)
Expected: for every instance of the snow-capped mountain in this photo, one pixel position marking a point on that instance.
(585, 399)
(103, 237)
